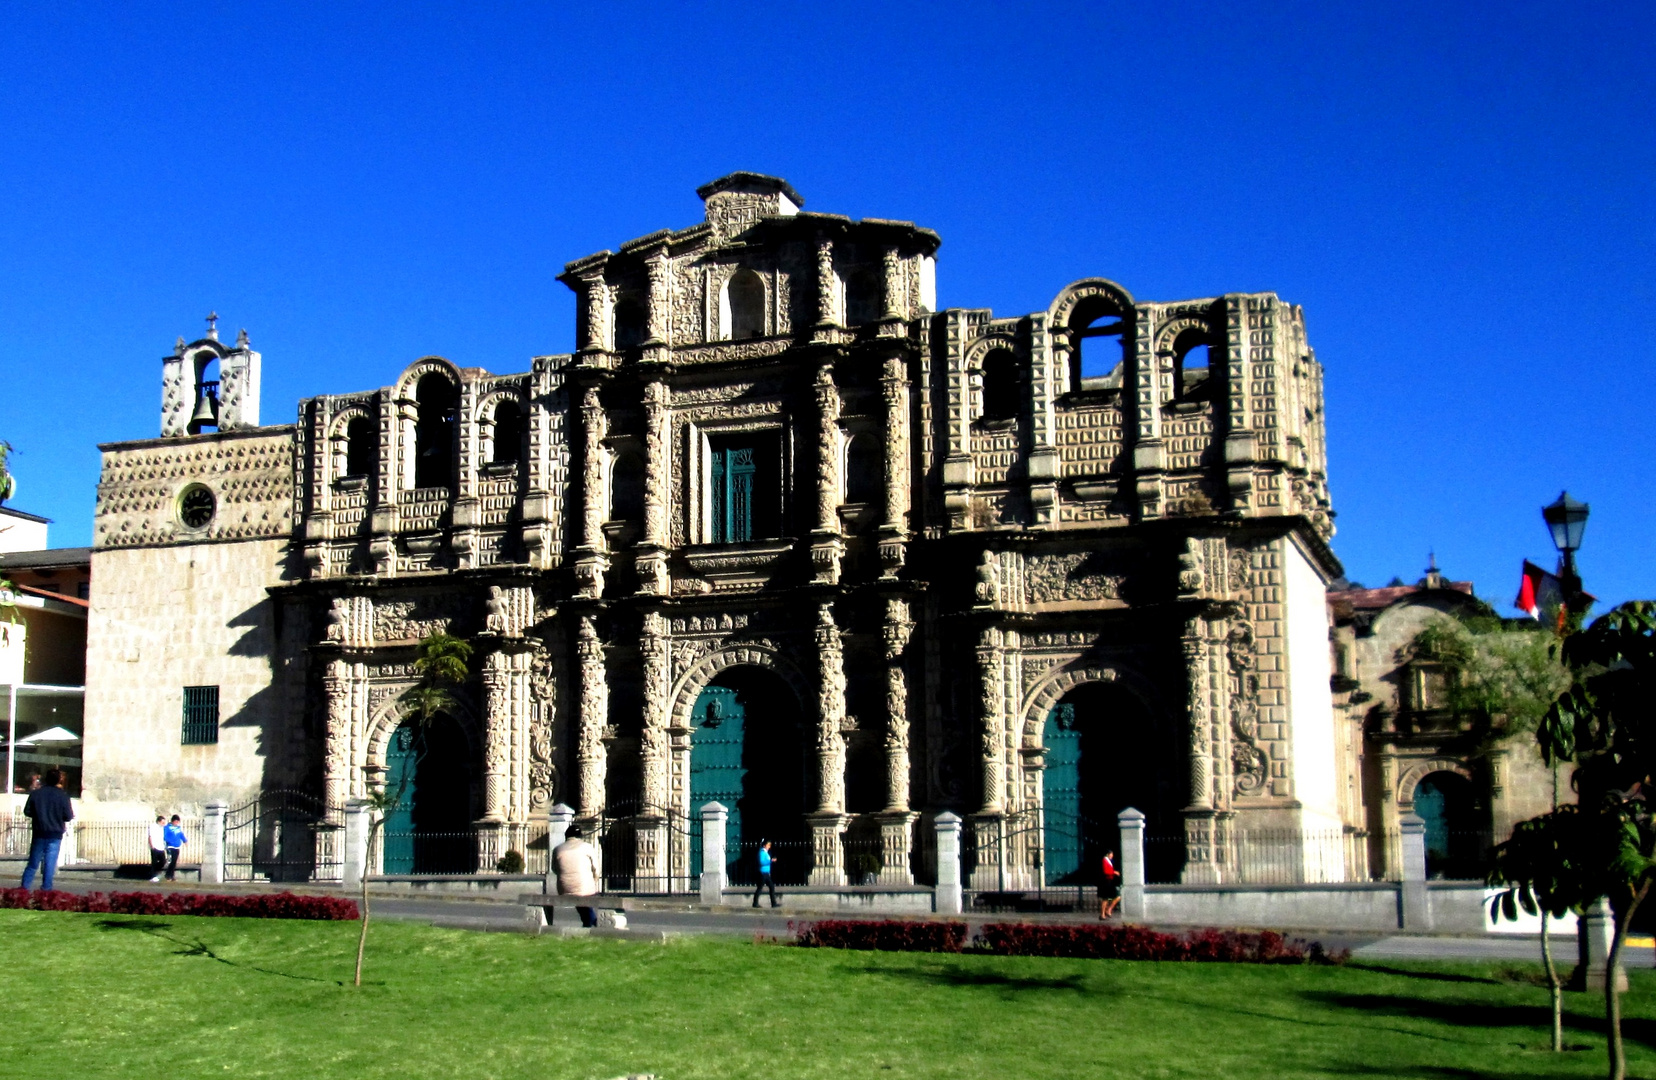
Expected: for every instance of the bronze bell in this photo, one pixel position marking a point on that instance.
(206, 410)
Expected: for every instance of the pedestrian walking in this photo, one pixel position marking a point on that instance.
(174, 839)
(576, 862)
(765, 882)
(158, 847)
(50, 812)
(1109, 887)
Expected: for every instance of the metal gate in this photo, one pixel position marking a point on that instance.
(283, 836)
(678, 861)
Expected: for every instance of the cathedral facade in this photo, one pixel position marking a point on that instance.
(779, 534)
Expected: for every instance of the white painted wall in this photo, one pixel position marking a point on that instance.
(19, 533)
(1310, 702)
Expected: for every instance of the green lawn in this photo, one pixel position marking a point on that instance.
(131, 997)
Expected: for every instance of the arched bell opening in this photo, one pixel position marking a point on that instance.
(428, 771)
(1105, 753)
(748, 753)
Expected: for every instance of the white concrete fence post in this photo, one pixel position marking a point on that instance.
(947, 898)
(1595, 933)
(1132, 863)
(212, 842)
(713, 818)
(1414, 907)
(357, 822)
(557, 831)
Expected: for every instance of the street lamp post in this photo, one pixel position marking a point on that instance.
(1566, 519)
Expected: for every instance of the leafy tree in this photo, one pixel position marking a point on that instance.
(1502, 678)
(443, 663)
(1605, 720)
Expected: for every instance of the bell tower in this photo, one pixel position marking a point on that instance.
(206, 386)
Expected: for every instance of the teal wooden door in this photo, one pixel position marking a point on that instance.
(733, 472)
(397, 834)
(716, 772)
(1061, 839)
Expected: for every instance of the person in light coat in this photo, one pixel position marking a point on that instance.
(576, 862)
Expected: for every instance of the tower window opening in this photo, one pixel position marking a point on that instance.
(627, 487)
(434, 431)
(1190, 364)
(361, 446)
(631, 325)
(508, 433)
(743, 312)
(1001, 396)
(205, 413)
(864, 297)
(864, 466)
(1098, 358)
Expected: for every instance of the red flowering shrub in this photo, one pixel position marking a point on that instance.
(284, 905)
(1127, 942)
(889, 935)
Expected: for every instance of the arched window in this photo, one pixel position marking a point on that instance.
(864, 469)
(743, 311)
(1190, 364)
(361, 446)
(1002, 398)
(631, 325)
(627, 487)
(864, 297)
(434, 431)
(1099, 346)
(508, 433)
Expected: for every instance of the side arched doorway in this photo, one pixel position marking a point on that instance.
(430, 830)
(747, 753)
(1446, 802)
(1105, 753)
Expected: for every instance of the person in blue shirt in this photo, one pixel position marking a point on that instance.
(765, 861)
(175, 840)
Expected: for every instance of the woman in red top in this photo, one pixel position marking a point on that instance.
(1109, 889)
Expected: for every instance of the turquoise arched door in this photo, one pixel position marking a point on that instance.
(716, 772)
(397, 834)
(1061, 840)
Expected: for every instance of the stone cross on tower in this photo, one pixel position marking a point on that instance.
(212, 326)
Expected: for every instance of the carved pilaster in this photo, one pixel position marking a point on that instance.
(993, 722)
(654, 744)
(595, 291)
(543, 706)
(895, 283)
(591, 564)
(827, 548)
(896, 634)
(336, 754)
(826, 313)
(894, 392)
(659, 269)
(830, 714)
(589, 750)
(497, 730)
(652, 557)
(1195, 648)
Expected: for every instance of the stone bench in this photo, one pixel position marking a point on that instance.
(611, 908)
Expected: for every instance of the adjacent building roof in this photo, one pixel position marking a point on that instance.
(49, 559)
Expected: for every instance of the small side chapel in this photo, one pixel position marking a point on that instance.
(779, 533)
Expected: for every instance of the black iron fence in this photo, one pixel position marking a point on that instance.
(284, 836)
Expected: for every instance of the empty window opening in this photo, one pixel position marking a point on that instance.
(864, 297)
(434, 431)
(1190, 364)
(631, 325)
(746, 485)
(508, 433)
(627, 487)
(1101, 346)
(864, 469)
(361, 446)
(1001, 396)
(743, 313)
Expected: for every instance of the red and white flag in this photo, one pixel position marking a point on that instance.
(1538, 591)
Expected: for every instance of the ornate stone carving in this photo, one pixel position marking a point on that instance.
(418, 617)
(544, 699)
(497, 723)
(495, 618)
(830, 712)
(1191, 564)
(1201, 750)
(1076, 575)
(590, 754)
(1248, 762)
(653, 743)
(987, 589)
(993, 720)
(895, 636)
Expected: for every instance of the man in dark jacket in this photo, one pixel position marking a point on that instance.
(49, 809)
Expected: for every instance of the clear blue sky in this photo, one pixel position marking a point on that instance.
(1459, 195)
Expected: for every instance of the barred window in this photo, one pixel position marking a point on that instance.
(201, 715)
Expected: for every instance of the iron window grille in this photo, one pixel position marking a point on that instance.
(201, 715)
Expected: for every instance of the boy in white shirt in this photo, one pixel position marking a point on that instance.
(158, 847)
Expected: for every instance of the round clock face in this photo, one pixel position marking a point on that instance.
(196, 506)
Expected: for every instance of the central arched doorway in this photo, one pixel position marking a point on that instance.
(747, 753)
(1104, 753)
(428, 770)
(1447, 804)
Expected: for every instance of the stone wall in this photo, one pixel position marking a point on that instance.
(163, 618)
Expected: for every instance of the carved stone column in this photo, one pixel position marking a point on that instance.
(829, 821)
(336, 754)
(827, 549)
(497, 732)
(895, 284)
(826, 313)
(595, 291)
(660, 314)
(652, 552)
(894, 391)
(897, 821)
(589, 749)
(591, 563)
(989, 823)
(650, 827)
(1201, 855)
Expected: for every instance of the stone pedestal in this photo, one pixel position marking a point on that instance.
(212, 843)
(1416, 912)
(558, 819)
(650, 854)
(713, 818)
(989, 873)
(1595, 933)
(358, 817)
(947, 899)
(827, 855)
(1132, 863)
(896, 843)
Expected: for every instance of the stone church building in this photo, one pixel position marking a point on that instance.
(780, 534)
